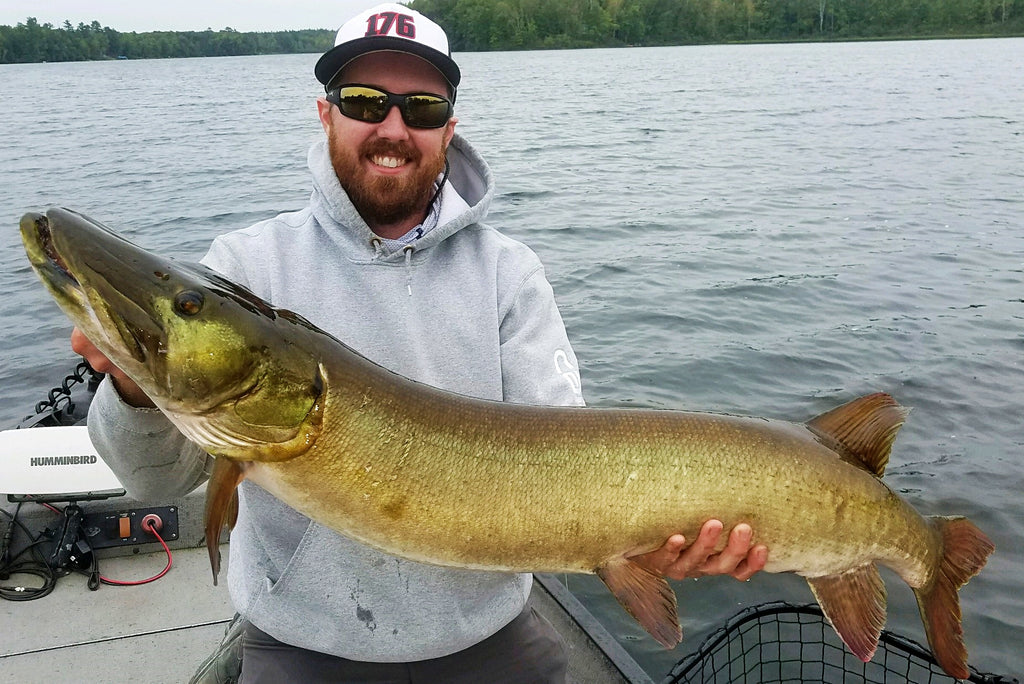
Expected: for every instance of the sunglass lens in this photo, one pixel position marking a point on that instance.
(426, 111)
(364, 104)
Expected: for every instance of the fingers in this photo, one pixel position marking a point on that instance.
(735, 552)
(676, 560)
(738, 559)
(753, 563)
(661, 560)
(694, 561)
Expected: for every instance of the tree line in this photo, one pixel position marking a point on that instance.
(479, 25)
(34, 42)
(476, 25)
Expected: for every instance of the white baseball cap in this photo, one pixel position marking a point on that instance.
(389, 27)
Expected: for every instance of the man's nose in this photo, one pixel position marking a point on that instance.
(393, 126)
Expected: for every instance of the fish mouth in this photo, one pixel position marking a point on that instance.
(45, 239)
(71, 254)
(44, 255)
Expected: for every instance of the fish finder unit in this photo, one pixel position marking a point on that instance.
(54, 464)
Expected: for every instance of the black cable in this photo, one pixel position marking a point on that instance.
(5, 545)
(21, 592)
(437, 193)
(58, 407)
(12, 566)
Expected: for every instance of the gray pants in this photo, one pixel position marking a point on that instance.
(526, 651)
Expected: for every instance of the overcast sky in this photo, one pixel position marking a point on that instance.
(187, 15)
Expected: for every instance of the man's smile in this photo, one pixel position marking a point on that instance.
(388, 161)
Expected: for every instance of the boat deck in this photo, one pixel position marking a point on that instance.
(161, 631)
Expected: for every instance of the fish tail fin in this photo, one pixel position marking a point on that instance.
(221, 505)
(965, 549)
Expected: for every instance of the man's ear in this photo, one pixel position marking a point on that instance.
(323, 109)
(449, 131)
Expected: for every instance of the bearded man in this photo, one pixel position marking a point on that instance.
(391, 257)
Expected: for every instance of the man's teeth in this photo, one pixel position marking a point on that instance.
(389, 162)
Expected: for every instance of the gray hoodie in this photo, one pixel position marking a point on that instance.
(463, 308)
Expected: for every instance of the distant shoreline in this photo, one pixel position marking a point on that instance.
(32, 42)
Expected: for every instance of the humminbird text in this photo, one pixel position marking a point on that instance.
(62, 460)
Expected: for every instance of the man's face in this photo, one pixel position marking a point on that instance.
(388, 169)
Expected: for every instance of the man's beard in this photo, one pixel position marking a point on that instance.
(385, 200)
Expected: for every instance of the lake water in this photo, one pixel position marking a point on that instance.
(764, 229)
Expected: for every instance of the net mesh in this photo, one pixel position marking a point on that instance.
(782, 642)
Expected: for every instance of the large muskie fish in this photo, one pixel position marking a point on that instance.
(442, 478)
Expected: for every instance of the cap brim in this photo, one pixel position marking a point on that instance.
(332, 61)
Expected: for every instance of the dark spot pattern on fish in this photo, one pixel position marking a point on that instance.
(394, 507)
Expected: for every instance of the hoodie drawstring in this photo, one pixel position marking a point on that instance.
(408, 249)
(378, 247)
(378, 252)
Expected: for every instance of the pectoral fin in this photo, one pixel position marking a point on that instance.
(854, 602)
(221, 505)
(646, 596)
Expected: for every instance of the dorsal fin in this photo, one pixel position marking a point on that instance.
(863, 430)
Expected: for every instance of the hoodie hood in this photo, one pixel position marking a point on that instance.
(464, 199)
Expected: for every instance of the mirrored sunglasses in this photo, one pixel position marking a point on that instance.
(364, 103)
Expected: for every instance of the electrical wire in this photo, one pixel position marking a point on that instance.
(20, 592)
(127, 583)
(11, 566)
(52, 508)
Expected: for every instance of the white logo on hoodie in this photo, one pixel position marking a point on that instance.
(563, 365)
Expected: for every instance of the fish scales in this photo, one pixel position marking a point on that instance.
(555, 479)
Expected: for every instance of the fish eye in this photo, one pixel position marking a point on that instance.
(188, 303)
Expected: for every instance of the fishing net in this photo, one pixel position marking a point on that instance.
(782, 642)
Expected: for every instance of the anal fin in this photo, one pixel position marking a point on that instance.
(221, 505)
(854, 603)
(646, 596)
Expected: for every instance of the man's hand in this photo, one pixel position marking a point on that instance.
(125, 386)
(677, 561)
